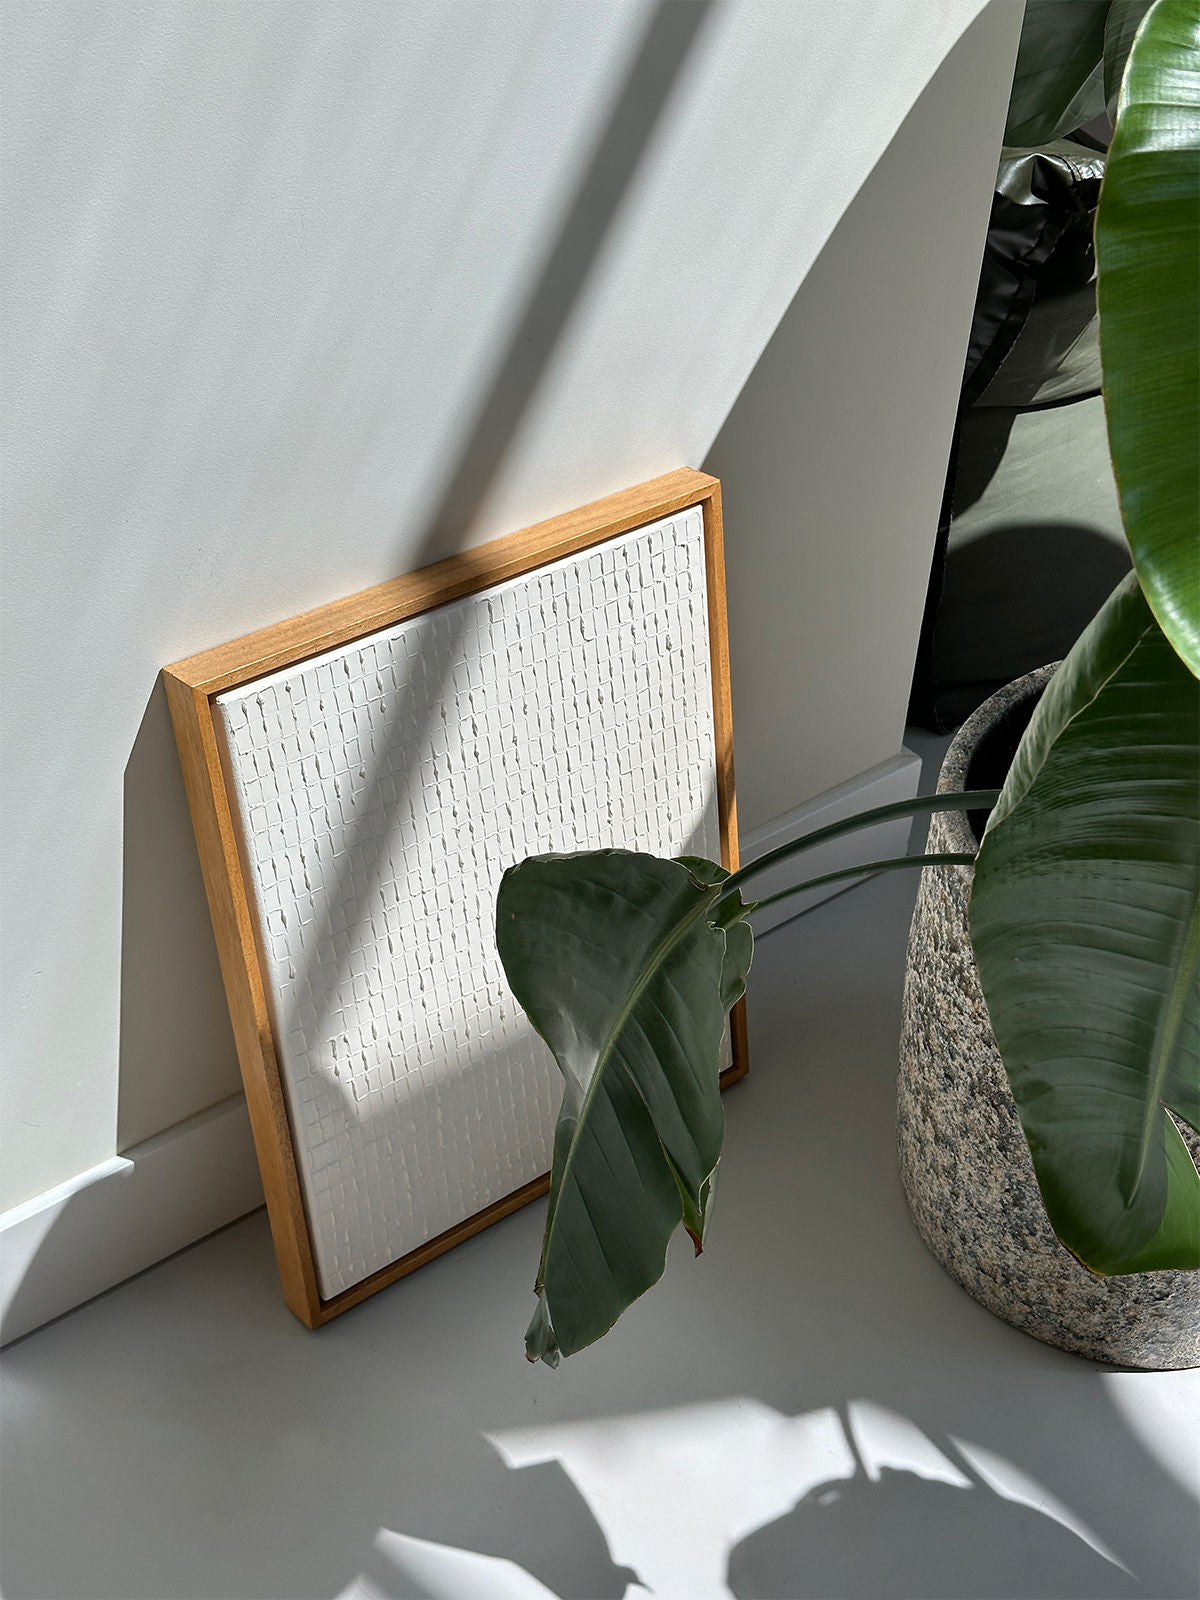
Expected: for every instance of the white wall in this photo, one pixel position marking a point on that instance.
(266, 261)
(834, 456)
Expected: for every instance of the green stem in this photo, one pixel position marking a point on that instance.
(892, 864)
(921, 805)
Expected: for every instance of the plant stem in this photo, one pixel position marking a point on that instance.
(892, 864)
(967, 800)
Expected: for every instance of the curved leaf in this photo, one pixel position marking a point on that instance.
(1059, 78)
(1085, 921)
(1148, 258)
(616, 962)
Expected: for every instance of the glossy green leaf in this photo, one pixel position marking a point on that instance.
(627, 965)
(1085, 917)
(1148, 256)
(617, 961)
(1059, 77)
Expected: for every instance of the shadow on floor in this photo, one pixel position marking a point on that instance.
(183, 1438)
(935, 1531)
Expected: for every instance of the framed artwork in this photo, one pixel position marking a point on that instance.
(359, 778)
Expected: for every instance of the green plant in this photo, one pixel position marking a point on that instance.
(1085, 906)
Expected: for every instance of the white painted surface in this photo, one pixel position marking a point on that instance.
(297, 296)
(833, 458)
(124, 1215)
(813, 1406)
(381, 790)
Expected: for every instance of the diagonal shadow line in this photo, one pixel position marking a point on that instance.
(635, 113)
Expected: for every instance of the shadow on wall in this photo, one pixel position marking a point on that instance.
(177, 1052)
(177, 1055)
(836, 378)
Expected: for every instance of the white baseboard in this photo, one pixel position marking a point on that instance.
(890, 781)
(77, 1240)
(120, 1217)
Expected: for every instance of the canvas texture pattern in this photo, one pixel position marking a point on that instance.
(381, 790)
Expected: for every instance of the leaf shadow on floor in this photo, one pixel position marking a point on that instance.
(829, 1544)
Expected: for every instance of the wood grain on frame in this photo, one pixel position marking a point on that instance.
(192, 686)
(718, 636)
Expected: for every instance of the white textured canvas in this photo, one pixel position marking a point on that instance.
(381, 790)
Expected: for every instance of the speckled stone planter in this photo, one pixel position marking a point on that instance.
(964, 1163)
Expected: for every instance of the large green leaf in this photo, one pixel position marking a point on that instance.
(626, 965)
(1148, 256)
(1059, 78)
(1085, 917)
(616, 962)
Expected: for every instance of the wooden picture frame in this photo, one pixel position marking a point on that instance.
(192, 687)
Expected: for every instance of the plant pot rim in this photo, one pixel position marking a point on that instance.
(956, 826)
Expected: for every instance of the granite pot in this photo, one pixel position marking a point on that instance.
(964, 1163)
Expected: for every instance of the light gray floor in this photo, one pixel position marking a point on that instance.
(183, 1436)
